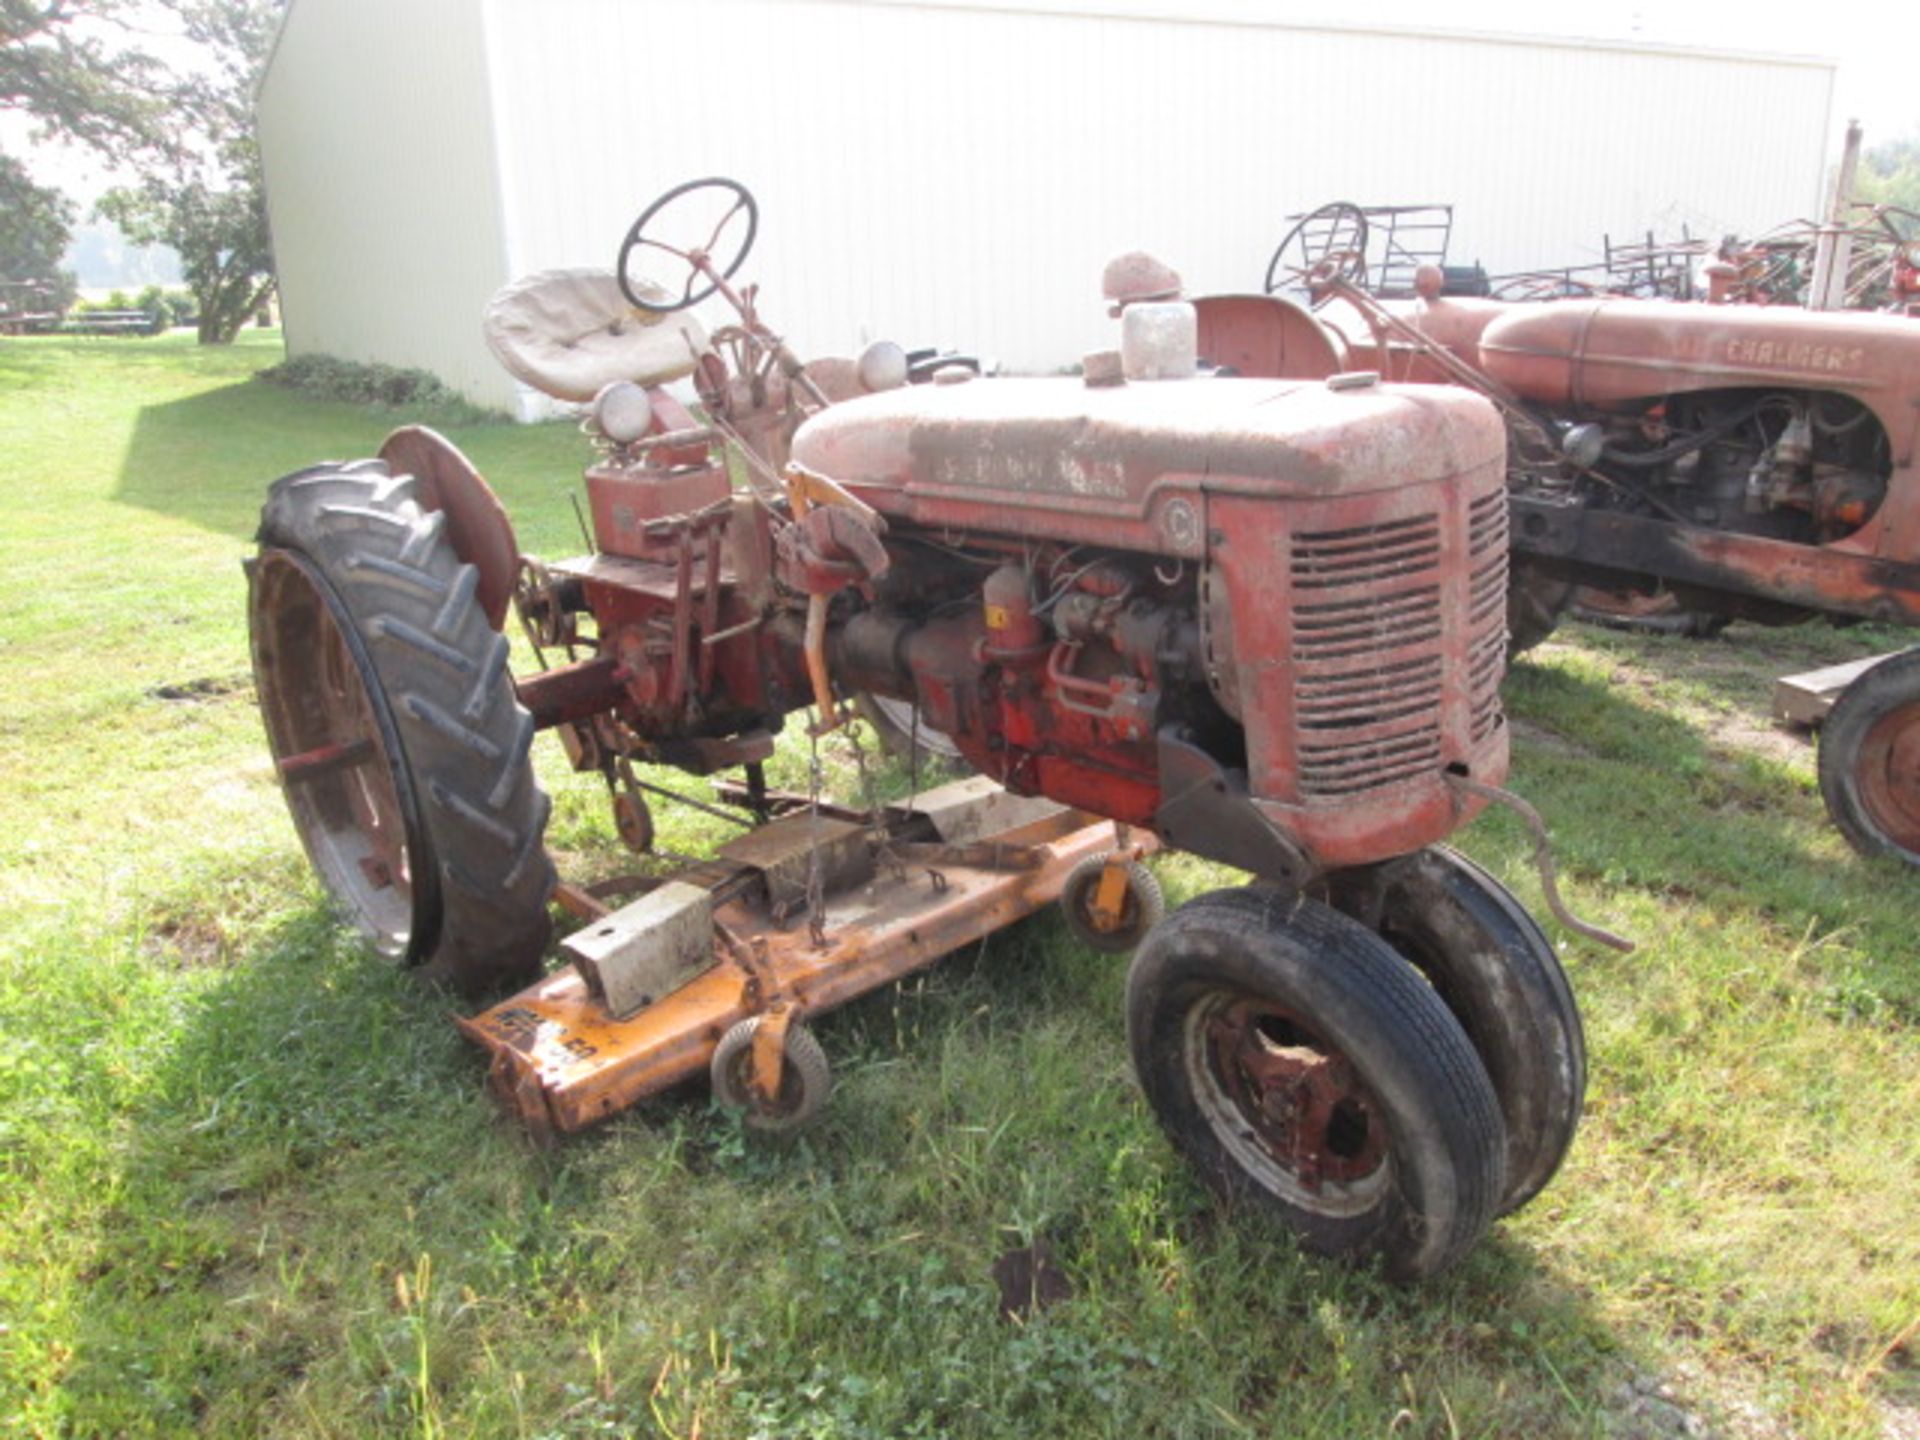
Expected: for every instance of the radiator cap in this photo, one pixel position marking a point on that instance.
(1354, 380)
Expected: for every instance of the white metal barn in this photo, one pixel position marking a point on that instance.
(957, 171)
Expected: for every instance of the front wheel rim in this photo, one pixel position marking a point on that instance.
(1288, 1106)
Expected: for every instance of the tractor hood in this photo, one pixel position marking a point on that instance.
(1045, 457)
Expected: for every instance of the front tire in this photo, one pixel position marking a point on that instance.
(1300, 1064)
(394, 726)
(1496, 970)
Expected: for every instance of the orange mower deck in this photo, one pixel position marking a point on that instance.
(736, 938)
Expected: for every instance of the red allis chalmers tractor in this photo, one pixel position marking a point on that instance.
(1749, 462)
(1261, 620)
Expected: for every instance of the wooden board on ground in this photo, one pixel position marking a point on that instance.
(1805, 699)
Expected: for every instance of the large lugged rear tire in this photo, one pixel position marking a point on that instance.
(393, 722)
(1301, 1064)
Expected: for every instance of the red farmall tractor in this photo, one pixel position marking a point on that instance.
(1259, 621)
(1728, 460)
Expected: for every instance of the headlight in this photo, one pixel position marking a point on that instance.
(621, 412)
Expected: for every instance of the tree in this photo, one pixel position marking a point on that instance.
(34, 228)
(1889, 174)
(210, 204)
(56, 65)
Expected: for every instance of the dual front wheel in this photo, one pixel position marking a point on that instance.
(1386, 1081)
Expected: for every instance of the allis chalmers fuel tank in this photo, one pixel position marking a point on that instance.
(1341, 544)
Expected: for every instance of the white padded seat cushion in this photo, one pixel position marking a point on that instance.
(569, 332)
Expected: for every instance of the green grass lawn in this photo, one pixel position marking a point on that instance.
(250, 1182)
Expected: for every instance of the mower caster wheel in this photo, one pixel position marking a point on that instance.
(1141, 905)
(805, 1078)
(1870, 760)
(1302, 1066)
(1480, 949)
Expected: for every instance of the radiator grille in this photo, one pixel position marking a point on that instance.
(1368, 673)
(1366, 555)
(1486, 611)
(1370, 647)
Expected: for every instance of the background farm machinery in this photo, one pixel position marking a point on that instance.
(1709, 461)
(1259, 621)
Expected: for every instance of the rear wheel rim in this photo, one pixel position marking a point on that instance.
(1288, 1105)
(334, 750)
(1887, 776)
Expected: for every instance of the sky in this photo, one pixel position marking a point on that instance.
(1873, 84)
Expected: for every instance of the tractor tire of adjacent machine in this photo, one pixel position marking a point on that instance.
(806, 1080)
(1663, 613)
(1497, 972)
(1870, 760)
(1141, 908)
(1300, 1064)
(1535, 604)
(392, 718)
(893, 725)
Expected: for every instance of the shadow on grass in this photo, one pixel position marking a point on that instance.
(1614, 773)
(208, 458)
(319, 1225)
(1737, 668)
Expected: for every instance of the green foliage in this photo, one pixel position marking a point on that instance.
(35, 225)
(173, 307)
(58, 65)
(1889, 174)
(327, 377)
(210, 205)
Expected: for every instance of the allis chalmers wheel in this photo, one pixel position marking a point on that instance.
(393, 723)
(1870, 760)
(1661, 613)
(805, 1078)
(1336, 232)
(1298, 1062)
(1498, 974)
(1535, 603)
(1142, 906)
(703, 212)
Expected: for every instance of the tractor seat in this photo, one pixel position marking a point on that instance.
(569, 332)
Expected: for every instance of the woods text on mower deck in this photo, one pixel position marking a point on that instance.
(1258, 620)
(1715, 461)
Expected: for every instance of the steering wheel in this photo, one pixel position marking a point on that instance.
(1337, 231)
(690, 218)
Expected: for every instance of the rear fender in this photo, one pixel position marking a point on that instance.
(477, 523)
